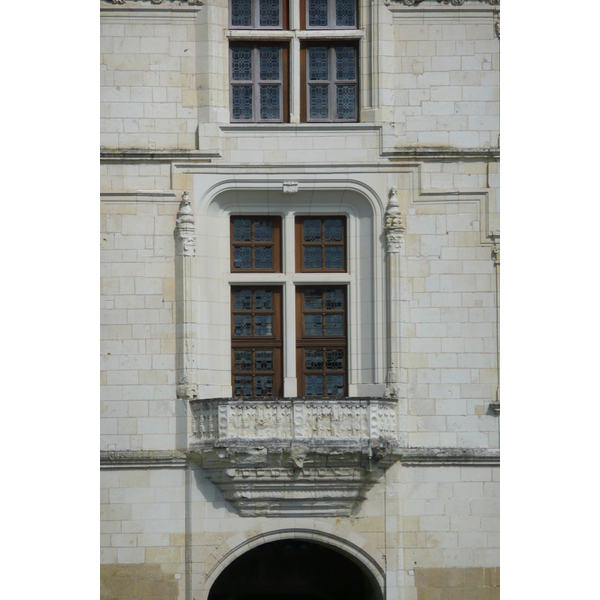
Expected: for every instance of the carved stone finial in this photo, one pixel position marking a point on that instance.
(185, 229)
(394, 228)
(497, 27)
(392, 389)
(496, 248)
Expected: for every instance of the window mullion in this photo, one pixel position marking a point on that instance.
(332, 113)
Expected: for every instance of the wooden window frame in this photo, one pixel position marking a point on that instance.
(323, 342)
(275, 243)
(255, 17)
(257, 83)
(301, 244)
(331, 16)
(253, 342)
(332, 82)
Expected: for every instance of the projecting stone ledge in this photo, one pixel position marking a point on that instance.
(294, 457)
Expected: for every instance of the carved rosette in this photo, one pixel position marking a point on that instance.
(185, 229)
(394, 227)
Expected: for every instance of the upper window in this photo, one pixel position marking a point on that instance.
(255, 244)
(320, 244)
(328, 14)
(258, 14)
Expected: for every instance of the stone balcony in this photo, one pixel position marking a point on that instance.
(294, 457)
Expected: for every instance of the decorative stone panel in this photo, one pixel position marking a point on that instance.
(294, 457)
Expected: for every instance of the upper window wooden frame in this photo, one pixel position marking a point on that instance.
(258, 14)
(248, 239)
(326, 14)
(330, 244)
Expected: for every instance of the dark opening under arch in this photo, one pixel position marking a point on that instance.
(292, 569)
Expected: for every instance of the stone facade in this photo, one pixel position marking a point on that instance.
(402, 476)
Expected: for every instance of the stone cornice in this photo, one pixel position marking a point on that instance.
(110, 155)
(450, 2)
(170, 3)
(439, 457)
(141, 459)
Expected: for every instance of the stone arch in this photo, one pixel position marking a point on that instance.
(353, 551)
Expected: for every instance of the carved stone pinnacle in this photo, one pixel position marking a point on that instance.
(394, 227)
(185, 228)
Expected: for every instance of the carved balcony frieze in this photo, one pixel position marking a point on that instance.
(296, 456)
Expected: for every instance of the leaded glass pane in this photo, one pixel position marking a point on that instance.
(242, 258)
(313, 300)
(334, 324)
(241, 64)
(345, 13)
(313, 324)
(263, 231)
(314, 385)
(263, 325)
(263, 299)
(241, 230)
(241, 13)
(269, 13)
(243, 360)
(242, 385)
(269, 63)
(334, 299)
(333, 257)
(313, 360)
(335, 385)
(242, 300)
(241, 102)
(317, 63)
(333, 230)
(263, 258)
(319, 101)
(269, 102)
(242, 325)
(263, 386)
(345, 63)
(312, 230)
(317, 13)
(346, 102)
(264, 360)
(334, 360)
(312, 257)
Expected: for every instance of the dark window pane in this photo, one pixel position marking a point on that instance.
(241, 13)
(312, 230)
(242, 258)
(269, 101)
(334, 324)
(334, 299)
(242, 300)
(313, 360)
(242, 386)
(269, 13)
(333, 230)
(335, 360)
(319, 101)
(263, 300)
(312, 257)
(335, 385)
(263, 231)
(269, 63)
(241, 102)
(243, 360)
(317, 13)
(313, 300)
(333, 257)
(317, 63)
(264, 360)
(242, 325)
(264, 386)
(241, 230)
(345, 13)
(314, 385)
(345, 63)
(241, 64)
(346, 102)
(263, 325)
(313, 324)
(263, 258)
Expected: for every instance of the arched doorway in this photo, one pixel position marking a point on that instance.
(292, 569)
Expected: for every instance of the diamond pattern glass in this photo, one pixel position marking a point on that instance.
(345, 13)
(334, 300)
(312, 230)
(242, 300)
(334, 324)
(242, 258)
(313, 300)
(317, 13)
(264, 386)
(243, 360)
(269, 63)
(241, 230)
(312, 257)
(242, 102)
(263, 231)
(345, 63)
(263, 299)
(241, 64)
(333, 230)
(263, 325)
(242, 325)
(269, 13)
(314, 385)
(269, 102)
(319, 101)
(334, 360)
(317, 63)
(333, 257)
(264, 360)
(346, 102)
(263, 258)
(313, 360)
(241, 13)
(313, 324)
(335, 385)
(243, 386)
